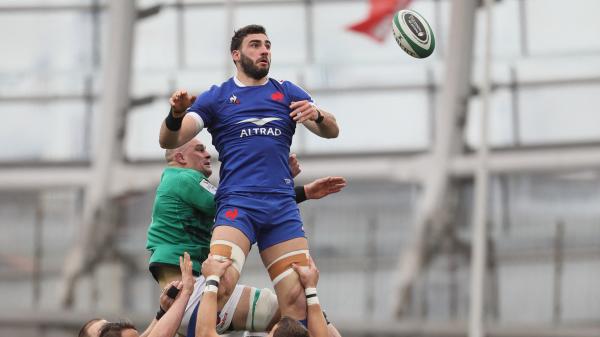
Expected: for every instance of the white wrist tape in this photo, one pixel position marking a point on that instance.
(310, 291)
(212, 283)
(211, 288)
(214, 278)
(311, 296)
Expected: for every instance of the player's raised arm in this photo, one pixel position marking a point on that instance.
(317, 120)
(168, 324)
(179, 128)
(309, 277)
(166, 300)
(212, 269)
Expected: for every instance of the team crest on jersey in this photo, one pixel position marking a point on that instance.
(233, 99)
(212, 189)
(231, 214)
(277, 96)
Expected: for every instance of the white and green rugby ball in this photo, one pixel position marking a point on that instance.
(413, 33)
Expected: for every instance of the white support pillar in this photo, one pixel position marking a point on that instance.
(451, 108)
(480, 212)
(107, 130)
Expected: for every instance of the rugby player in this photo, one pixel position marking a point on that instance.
(252, 119)
(182, 220)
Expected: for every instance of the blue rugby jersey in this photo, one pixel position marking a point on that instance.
(252, 131)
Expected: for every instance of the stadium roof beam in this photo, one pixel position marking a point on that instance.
(396, 167)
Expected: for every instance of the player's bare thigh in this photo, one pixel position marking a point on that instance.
(236, 237)
(288, 288)
(166, 274)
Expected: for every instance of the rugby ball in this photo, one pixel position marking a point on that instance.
(413, 33)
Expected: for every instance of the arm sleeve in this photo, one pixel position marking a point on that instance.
(296, 93)
(203, 107)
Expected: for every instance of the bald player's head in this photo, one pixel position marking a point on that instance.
(92, 327)
(192, 155)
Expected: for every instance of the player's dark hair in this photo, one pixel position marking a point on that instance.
(289, 327)
(83, 332)
(115, 329)
(240, 34)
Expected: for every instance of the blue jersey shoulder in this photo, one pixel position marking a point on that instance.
(295, 92)
(206, 102)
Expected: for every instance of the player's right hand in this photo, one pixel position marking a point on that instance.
(309, 275)
(215, 266)
(187, 277)
(294, 165)
(180, 100)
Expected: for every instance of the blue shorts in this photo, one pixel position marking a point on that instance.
(267, 219)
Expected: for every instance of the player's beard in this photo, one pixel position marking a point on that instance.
(252, 69)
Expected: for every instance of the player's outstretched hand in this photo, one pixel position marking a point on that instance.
(165, 300)
(303, 111)
(294, 165)
(309, 275)
(215, 266)
(180, 100)
(323, 187)
(187, 278)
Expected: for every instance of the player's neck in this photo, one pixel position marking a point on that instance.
(247, 81)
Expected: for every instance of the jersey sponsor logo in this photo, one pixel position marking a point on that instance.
(262, 131)
(234, 100)
(231, 214)
(277, 96)
(259, 121)
(208, 186)
(287, 181)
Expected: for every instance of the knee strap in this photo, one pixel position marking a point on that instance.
(228, 250)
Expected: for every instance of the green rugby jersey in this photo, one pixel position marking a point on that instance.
(182, 217)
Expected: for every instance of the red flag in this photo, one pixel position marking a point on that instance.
(378, 24)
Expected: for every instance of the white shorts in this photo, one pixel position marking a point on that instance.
(191, 310)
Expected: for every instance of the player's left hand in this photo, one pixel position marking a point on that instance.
(309, 275)
(187, 278)
(323, 187)
(166, 301)
(215, 266)
(303, 111)
(294, 165)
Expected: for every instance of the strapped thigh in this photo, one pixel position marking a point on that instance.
(223, 249)
(282, 266)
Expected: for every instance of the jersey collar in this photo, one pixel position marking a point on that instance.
(240, 84)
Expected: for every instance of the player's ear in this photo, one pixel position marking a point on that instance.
(235, 55)
(179, 158)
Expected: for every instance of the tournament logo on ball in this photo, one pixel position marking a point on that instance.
(413, 34)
